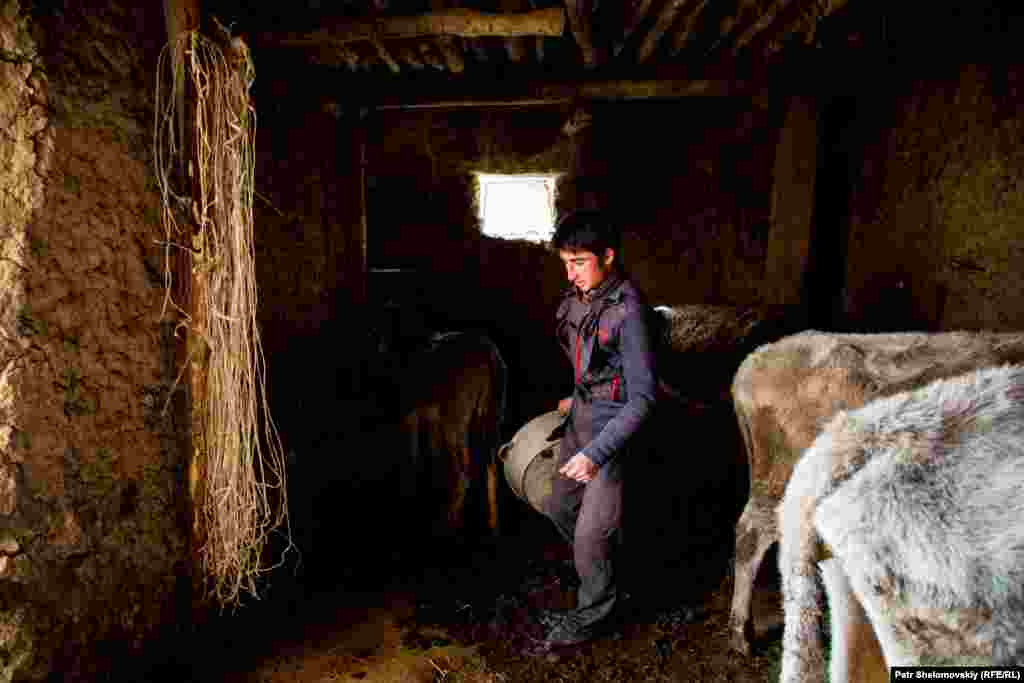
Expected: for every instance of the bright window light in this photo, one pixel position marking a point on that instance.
(517, 207)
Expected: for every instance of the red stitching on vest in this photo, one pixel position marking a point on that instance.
(577, 357)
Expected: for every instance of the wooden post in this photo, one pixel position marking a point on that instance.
(585, 185)
(182, 16)
(796, 167)
(344, 187)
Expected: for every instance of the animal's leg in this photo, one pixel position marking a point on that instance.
(756, 531)
(856, 656)
(894, 652)
(492, 496)
(460, 465)
(409, 466)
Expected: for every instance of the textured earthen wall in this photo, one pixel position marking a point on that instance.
(92, 540)
(937, 209)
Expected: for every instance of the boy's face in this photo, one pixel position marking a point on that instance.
(584, 269)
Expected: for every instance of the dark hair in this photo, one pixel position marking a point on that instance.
(587, 230)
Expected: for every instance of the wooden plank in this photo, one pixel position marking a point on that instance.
(537, 94)
(464, 22)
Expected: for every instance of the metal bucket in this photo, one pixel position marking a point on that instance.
(530, 459)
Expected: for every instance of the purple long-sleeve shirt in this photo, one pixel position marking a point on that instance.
(608, 337)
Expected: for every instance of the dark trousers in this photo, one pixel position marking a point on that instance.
(589, 516)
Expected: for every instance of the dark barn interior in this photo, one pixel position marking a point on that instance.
(777, 165)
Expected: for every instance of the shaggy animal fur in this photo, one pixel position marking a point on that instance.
(919, 498)
(701, 345)
(785, 392)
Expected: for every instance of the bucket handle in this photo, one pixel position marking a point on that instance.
(504, 449)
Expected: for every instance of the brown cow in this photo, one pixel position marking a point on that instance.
(785, 392)
(917, 499)
(450, 400)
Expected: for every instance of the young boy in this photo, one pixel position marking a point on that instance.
(605, 327)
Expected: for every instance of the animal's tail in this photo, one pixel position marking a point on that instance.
(803, 659)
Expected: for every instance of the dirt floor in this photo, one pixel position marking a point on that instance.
(463, 613)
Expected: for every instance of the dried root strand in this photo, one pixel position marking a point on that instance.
(243, 496)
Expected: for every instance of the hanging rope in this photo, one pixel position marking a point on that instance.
(243, 497)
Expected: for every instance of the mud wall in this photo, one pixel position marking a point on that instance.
(937, 202)
(92, 534)
(691, 181)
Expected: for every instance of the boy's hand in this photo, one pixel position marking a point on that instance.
(580, 467)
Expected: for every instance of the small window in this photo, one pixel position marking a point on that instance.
(517, 207)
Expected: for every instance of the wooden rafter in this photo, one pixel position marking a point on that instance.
(762, 22)
(452, 54)
(666, 18)
(463, 22)
(477, 47)
(386, 57)
(635, 15)
(801, 17)
(581, 21)
(518, 47)
(430, 55)
(682, 36)
(410, 55)
(539, 40)
(348, 56)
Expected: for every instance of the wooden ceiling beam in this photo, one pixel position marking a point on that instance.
(553, 93)
(464, 22)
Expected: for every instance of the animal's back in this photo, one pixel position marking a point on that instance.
(787, 390)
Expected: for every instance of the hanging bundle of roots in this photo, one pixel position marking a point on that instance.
(204, 156)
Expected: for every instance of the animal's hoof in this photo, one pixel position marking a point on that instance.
(739, 643)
